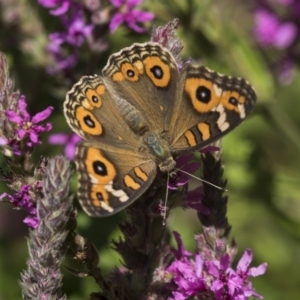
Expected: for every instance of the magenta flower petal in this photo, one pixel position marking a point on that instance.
(32, 222)
(245, 260)
(181, 252)
(117, 3)
(41, 116)
(212, 269)
(199, 265)
(3, 141)
(3, 195)
(115, 22)
(70, 151)
(48, 127)
(257, 271)
(61, 10)
(21, 133)
(60, 7)
(58, 138)
(69, 140)
(132, 3)
(70, 148)
(285, 35)
(33, 137)
(23, 108)
(265, 26)
(142, 16)
(126, 13)
(14, 117)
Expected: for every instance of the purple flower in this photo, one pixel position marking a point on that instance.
(270, 31)
(28, 127)
(193, 274)
(181, 252)
(77, 29)
(22, 200)
(69, 140)
(63, 45)
(243, 270)
(224, 282)
(235, 284)
(193, 199)
(127, 14)
(61, 6)
(186, 167)
(55, 47)
(56, 40)
(187, 274)
(187, 277)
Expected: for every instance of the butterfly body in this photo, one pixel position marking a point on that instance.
(141, 115)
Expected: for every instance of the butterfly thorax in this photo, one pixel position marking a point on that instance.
(159, 151)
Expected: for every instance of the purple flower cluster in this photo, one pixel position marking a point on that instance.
(193, 275)
(27, 127)
(80, 19)
(277, 26)
(23, 200)
(24, 135)
(63, 45)
(127, 13)
(271, 31)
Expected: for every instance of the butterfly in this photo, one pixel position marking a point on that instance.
(140, 115)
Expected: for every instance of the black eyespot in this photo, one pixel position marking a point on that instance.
(203, 94)
(99, 196)
(130, 73)
(89, 122)
(233, 101)
(99, 168)
(95, 99)
(157, 72)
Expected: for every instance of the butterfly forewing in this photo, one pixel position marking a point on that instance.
(209, 105)
(145, 75)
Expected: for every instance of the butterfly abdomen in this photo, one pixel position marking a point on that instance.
(132, 117)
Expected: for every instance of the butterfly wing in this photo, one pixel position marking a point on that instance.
(146, 76)
(110, 179)
(94, 114)
(113, 171)
(208, 105)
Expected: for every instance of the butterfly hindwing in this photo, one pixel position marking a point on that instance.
(109, 180)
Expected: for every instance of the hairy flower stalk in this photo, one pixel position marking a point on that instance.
(213, 240)
(42, 279)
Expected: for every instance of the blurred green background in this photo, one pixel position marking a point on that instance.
(261, 157)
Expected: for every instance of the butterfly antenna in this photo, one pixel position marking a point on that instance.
(217, 187)
(166, 199)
